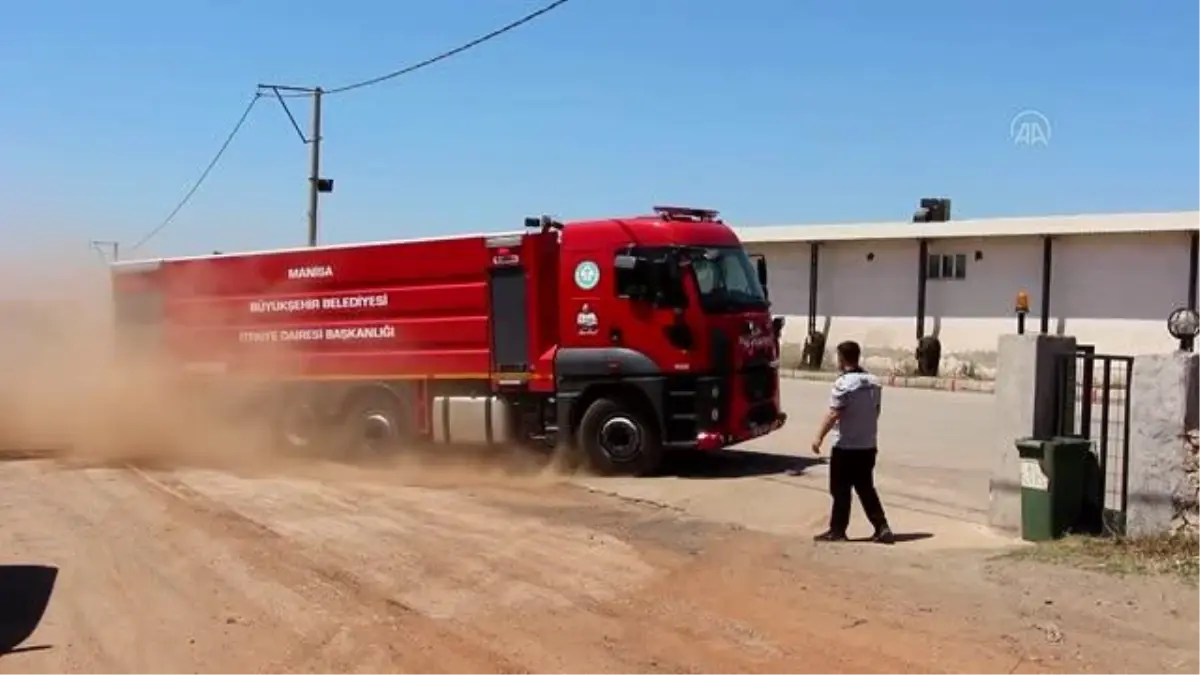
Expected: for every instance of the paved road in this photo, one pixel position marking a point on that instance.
(935, 445)
(933, 471)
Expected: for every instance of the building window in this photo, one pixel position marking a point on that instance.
(946, 266)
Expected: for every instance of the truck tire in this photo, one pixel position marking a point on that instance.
(298, 429)
(373, 423)
(619, 440)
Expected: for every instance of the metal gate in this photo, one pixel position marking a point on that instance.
(1093, 403)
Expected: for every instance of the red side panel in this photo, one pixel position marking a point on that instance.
(398, 310)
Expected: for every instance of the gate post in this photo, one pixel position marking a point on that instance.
(1027, 401)
(1163, 408)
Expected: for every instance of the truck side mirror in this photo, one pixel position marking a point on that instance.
(760, 266)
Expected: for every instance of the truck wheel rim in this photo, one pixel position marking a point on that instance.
(299, 425)
(377, 429)
(621, 439)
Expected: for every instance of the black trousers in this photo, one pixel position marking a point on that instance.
(853, 471)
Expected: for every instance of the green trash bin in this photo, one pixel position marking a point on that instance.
(1054, 475)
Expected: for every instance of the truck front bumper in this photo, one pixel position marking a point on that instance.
(714, 440)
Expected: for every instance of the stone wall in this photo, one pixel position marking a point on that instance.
(1187, 499)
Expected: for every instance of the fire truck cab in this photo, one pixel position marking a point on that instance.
(667, 340)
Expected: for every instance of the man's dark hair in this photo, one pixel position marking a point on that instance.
(850, 352)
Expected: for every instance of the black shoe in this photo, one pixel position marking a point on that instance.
(884, 536)
(830, 535)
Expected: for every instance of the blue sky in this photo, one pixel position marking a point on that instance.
(772, 111)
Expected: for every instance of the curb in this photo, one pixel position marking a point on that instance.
(1116, 395)
(901, 381)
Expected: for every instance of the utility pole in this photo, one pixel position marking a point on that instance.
(314, 169)
(316, 184)
(113, 246)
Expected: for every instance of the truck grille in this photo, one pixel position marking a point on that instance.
(759, 358)
(759, 383)
(722, 352)
(761, 414)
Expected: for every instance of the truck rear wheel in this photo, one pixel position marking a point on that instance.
(374, 423)
(298, 429)
(618, 440)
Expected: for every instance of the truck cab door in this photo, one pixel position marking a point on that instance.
(585, 311)
(650, 289)
(611, 302)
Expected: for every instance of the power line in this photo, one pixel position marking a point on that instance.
(317, 183)
(203, 175)
(446, 54)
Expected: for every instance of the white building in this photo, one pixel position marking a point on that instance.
(1109, 280)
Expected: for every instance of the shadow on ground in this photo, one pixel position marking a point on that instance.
(25, 592)
(901, 537)
(19, 454)
(701, 464)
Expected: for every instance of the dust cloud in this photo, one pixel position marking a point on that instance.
(70, 390)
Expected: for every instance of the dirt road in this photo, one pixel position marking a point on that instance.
(320, 568)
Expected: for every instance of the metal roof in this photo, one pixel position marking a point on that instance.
(1121, 223)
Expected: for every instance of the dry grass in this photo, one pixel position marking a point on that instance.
(1171, 554)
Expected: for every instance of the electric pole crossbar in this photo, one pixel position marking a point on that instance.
(316, 184)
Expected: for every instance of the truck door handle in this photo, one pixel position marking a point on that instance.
(614, 336)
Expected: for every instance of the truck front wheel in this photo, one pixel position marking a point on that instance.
(618, 440)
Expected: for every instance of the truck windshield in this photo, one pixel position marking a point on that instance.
(727, 280)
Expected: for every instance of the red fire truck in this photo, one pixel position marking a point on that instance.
(620, 338)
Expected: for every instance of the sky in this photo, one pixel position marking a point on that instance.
(771, 111)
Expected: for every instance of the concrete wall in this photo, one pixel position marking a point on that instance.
(1112, 290)
(1162, 450)
(1025, 404)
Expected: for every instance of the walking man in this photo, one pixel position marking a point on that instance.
(853, 417)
